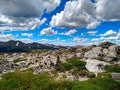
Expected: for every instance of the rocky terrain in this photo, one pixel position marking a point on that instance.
(76, 63)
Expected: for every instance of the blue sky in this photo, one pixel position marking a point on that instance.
(60, 22)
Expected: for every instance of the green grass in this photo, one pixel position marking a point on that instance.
(113, 68)
(104, 81)
(27, 81)
(72, 63)
(118, 55)
(18, 60)
(76, 67)
(24, 81)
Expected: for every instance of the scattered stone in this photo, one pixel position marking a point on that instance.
(116, 76)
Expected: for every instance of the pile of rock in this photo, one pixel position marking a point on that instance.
(7, 66)
(104, 54)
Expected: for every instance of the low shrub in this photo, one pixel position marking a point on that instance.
(86, 73)
(72, 63)
(112, 68)
(82, 73)
(91, 75)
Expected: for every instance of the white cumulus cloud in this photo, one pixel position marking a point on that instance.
(48, 31)
(24, 14)
(8, 23)
(76, 14)
(92, 33)
(27, 34)
(6, 37)
(70, 32)
(85, 13)
(79, 39)
(109, 33)
(25, 40)
(108, 10)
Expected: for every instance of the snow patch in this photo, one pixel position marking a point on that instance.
(17, 44)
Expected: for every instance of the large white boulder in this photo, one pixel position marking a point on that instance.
(113, 50)
(80, 55)
(105, 51)
(94, 53)
(95, 66)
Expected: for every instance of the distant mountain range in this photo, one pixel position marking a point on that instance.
(18, 46)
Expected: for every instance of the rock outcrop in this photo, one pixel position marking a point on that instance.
(7, 66)
(104, 54)
(113, 50)
(80, 55)
(116, 76)
(95, 66)
(50, 61)
(94, 53)
(105, 44)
